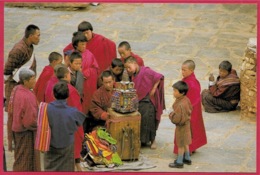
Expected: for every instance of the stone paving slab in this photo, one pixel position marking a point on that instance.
(164, 35)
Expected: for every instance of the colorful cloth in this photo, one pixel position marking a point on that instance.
(41, 83)
(43, 136)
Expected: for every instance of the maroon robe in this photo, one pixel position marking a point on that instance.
(49, 89)
(102, 48)
(139, 60)
(198, 132)
(41, 83)
(144, 81)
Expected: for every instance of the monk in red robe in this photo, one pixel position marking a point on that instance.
(124, 50)
(149, 87)
(103, 49)
(48, 71)
(100, 102)
(199, 137)
(22, 123)
(62, 74)
(224, 94)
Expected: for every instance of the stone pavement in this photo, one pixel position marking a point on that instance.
(164, 35)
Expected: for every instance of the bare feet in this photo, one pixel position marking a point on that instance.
(78, 167)
(153, 145)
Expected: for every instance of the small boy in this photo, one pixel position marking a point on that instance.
(124, 50)
(77, 78)
(116, 68)
(48, 71)
(181, 118)
(150, 91)
(64, 121)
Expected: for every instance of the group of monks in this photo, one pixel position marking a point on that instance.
(86, 58)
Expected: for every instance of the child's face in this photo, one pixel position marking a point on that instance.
(76, 64)
(67, 77)
(176, 93)
(56, 62)
(81, 47)
(117, 70)
(186, 71)
(123, 52)
(223, 73)
(131, 68)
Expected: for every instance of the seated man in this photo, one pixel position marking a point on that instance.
(100, 102)
(224, 94)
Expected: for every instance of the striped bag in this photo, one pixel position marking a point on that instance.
(43, 136)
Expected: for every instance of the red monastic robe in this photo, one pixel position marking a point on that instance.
(139, 60)
(198, 132)
(41, 83)
(74, 101)
(102, 48)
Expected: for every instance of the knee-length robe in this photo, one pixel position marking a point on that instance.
(63, 120)
(223, 96)
(41, 83)
(181, 118)
(198, 131)
(22, 125)
(144, 81)
(20, 54)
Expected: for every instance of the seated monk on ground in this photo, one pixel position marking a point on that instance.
(100, 102)
(224, 94)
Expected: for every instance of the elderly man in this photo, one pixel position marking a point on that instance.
(19, 56)
(22, 123)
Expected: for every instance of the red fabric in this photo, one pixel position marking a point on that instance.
(198, 132)
(103, 49)
(144, 82)
(90, 71)
(49, 89)
(139, 60)
(41, 83)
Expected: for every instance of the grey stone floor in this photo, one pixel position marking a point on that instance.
(164, 35)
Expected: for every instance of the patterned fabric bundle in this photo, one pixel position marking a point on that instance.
(100, 147)
(43, 136)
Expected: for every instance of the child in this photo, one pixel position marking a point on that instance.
(224, 94)
(63, 121)
(181, 118)
(77, 79)
(124, 50)
(116, 68)
(48, 71)
(149, 87)
(199, 137)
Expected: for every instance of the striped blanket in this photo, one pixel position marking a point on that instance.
(43, 136)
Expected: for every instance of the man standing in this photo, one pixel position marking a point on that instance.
(20, 54)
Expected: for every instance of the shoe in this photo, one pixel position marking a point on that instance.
(176, 165)
(185, 161)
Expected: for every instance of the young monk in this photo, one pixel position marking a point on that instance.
(181, 118)
(224, 94)
(77, 79)
(150, 90)
(55, 58)
(63, 121)
(62, 73)
(90, 69)
(124, 50)
(199, 137)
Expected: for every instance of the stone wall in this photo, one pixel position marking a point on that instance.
(248, 81)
